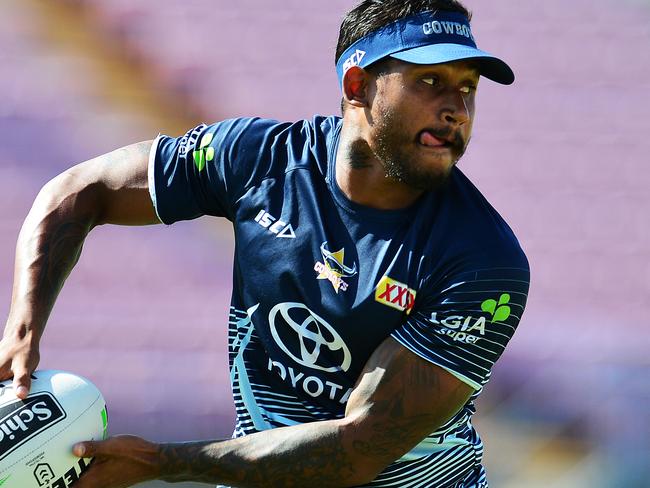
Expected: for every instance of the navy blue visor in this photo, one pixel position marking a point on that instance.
(425, 38)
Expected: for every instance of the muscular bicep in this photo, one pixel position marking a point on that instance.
(112, 188)
(399, 399)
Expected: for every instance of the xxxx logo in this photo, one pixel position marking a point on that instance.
(395, 294)
(500, 310)
(203, 153)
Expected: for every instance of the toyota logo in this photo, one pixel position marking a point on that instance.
(303, 335)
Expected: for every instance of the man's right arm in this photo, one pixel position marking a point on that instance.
(109, 189)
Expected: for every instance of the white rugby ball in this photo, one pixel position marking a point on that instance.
(37, 434)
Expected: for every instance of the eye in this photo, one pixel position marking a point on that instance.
(468, 89)
(431, 80)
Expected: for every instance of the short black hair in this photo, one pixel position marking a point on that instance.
(372, 15)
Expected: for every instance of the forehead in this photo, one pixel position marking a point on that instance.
(462, 70)
(465, 68)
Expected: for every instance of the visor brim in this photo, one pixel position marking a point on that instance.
(490, 66)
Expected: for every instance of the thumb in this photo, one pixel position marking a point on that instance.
(85, 449)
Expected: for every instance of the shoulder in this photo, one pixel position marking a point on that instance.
(475, 230)
(312, 131)
(295, 143)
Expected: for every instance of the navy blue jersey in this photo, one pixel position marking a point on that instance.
(321, 281)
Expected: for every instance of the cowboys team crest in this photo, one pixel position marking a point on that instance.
(333, 268)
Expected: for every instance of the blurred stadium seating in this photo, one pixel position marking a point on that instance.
(563, 155)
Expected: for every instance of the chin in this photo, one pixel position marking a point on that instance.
(430, 181)
(430, 173)
(422, 168)
(420, 178)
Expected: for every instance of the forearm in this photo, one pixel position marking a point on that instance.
(112, 188)
(398, 401)
(48, 247)
(316, 454)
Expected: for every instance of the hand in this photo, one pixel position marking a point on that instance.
(19, 357)
(118, 462)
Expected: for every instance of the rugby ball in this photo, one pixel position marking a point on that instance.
(37, 434)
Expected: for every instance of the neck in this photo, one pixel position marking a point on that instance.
(361, 176)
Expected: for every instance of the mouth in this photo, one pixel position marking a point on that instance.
(428, 139)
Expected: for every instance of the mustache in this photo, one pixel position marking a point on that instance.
(454, 137)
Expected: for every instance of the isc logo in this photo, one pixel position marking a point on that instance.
(395, 294)
(275, 226)
(354, 60)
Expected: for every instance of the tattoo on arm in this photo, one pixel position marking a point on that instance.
(392, 432)
(60, 252)
(112, 188)
(397, 420)
(323, 465)
(398, 401)
(293, 465)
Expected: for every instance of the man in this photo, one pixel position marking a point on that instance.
(374, 286)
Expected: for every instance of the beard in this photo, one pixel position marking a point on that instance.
(397, 151)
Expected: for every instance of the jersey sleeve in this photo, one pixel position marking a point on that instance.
(207, 170)
(466, 326)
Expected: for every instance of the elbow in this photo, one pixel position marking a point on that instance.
(365, 476)
(367, 460)
(365, 470)
(67, 197)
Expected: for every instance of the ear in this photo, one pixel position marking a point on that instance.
(355, 86)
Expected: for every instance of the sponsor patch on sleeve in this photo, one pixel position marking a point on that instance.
(395, 294)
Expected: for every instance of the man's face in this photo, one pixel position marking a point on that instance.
(421, 120)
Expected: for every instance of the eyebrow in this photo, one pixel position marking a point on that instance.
(473, 73)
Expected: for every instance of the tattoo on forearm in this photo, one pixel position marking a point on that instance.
(59, 253)
(397, 426)
(326, 454)
(393, 432)
(322, 466)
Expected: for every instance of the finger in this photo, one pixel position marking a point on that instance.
(107, 448)
(22, 381)
(92, 477)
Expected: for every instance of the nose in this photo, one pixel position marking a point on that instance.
(454, 110)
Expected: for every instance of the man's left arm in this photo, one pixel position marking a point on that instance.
(399, 399)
